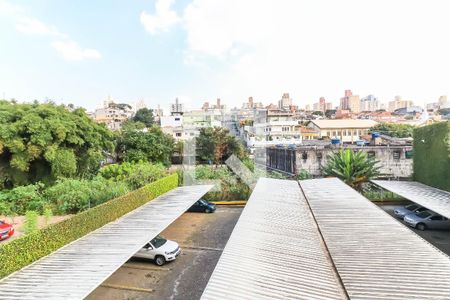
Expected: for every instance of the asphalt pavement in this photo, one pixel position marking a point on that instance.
(439, 238)
(202, 238)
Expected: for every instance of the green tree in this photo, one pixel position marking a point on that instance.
(394, 130)
(152, 145)
(144, 115)
(318, 113)
(216, 145)
(41, 142)
(329, 112)
(353, 168)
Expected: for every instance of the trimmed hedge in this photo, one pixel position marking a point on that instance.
(432, 155)
(29, 248)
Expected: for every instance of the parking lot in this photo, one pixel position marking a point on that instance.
(202, 238)
(439, 238)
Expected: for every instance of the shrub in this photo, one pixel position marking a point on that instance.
(230, 187)
(135, 175)
(31, 221)
(47, 215)
(432, 155)
(74, 195)
(27, 249)
(24, 198)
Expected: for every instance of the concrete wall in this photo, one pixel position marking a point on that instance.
(392, 167)
(313, 158)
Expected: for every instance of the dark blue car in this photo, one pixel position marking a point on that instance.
(203, 206)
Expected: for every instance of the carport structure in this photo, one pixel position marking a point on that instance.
(376, 256)
(321, 239)
(76, 269)
(432, 198)
(275, 251)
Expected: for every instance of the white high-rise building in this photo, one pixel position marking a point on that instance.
(369, 103)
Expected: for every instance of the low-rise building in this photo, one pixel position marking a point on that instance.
(347, 130)
(113, 114)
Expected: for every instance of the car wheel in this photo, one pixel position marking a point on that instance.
(421, 226)
(207, 210)
(160, 260)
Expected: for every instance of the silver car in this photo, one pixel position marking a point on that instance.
(427, 220)
(401, 212)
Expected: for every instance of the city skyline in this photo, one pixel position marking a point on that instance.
(198, 51)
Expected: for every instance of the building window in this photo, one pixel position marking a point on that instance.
(409, 154)
(370, 153)
(304, 155)
(396, 154)
(177, 119)
(178, 134)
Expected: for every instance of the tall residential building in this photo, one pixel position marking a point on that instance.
(369, 103)
(350, 102)
(285, 102)
(176, 108)
(398, 102)
(252, 104)
(322, 105)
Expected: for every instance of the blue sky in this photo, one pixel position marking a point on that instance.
(82, 51)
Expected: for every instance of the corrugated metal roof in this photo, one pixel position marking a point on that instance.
(376, 256)
(275, 251)
(432, 198)
(75, 270)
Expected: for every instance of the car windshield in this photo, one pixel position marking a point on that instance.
(158, 241)
(201, 201)
(424, 214)
(412, 207)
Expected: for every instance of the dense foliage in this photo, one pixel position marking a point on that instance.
(353, 168)
(216, 145)
(71, 195)
(432, 155)
(135, 175)
(145, 116)
(394, 130)
(29, 248)
(228, 187)
(137, 143)
(41, 142)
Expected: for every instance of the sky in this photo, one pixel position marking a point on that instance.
(81, 52)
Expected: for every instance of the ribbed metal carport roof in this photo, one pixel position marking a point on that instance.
(432, 198)
(275, 251)
(376, 256)
(75, 270)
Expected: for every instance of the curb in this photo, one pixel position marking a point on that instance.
(229, 202)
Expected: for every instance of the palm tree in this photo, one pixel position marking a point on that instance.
(353, 168)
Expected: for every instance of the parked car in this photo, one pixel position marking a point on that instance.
(427, 220)
(203, 206)
(401, 212)
(159, 250)
(6, 230)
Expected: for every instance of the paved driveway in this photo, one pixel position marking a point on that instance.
(439, 238)
(202, 238)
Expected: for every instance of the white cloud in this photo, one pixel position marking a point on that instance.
(7, 8)
(33, 26)
(319, 48)
(163, 19)
(70, 50)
